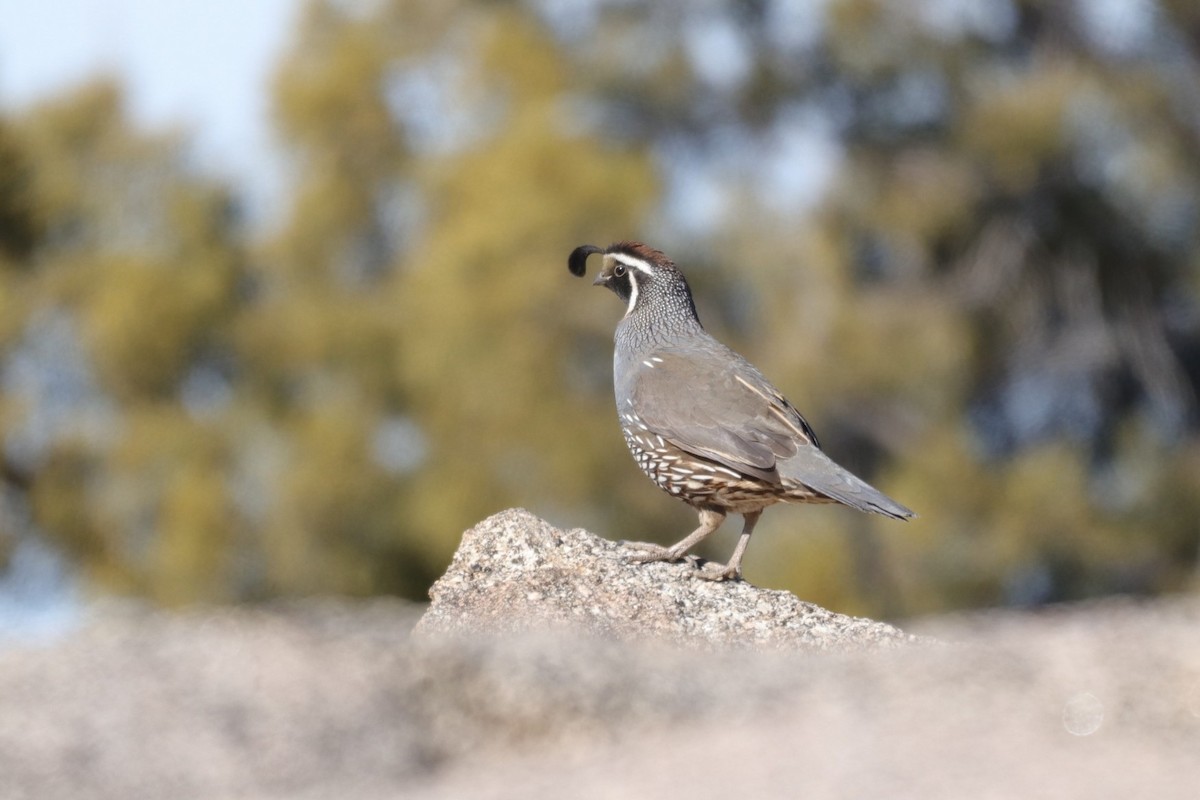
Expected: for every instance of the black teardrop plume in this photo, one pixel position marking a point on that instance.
(577, 263)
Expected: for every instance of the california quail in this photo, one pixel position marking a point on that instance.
(700, 420)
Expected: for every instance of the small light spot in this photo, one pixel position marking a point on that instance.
(648, 364)
(1083, 714)
(399, 445)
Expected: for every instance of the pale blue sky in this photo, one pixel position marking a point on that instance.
(205, 65)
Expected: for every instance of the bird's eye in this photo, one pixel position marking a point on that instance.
(619, 270)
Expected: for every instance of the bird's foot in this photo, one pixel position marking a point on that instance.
(712, 571)
(648, 552)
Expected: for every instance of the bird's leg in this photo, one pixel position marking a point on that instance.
(710, 520)
(733, 570)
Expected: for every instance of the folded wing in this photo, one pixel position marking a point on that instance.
(716, 405)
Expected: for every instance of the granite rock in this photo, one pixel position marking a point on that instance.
(516, 572)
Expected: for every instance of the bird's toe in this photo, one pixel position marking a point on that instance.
(719, 572)
(648, 552)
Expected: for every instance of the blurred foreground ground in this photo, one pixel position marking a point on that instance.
(333, 699)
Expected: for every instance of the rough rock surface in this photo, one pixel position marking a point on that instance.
(515, 571)
(333, 699)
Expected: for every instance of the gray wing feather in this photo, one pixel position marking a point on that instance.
(818, 471)
(713, 403)
(716, 405)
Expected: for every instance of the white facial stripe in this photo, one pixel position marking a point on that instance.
(631, 262)
(633, 294)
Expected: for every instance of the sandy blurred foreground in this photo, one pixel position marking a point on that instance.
(332, 699)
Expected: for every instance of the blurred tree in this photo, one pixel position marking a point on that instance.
(988, 285)
(481, 299)
(129, 268)
(1061, 240)
(20, 227)
(960, 236)
(418, 370)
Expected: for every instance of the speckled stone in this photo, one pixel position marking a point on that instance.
(514, 571)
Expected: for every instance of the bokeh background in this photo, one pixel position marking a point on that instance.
(284, 306)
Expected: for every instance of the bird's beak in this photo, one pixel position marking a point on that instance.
(601, 280)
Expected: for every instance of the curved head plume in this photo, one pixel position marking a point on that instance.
(577, 263)
(634, 272)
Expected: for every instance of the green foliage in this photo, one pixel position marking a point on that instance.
(144, 322)
(20, 227)
(989, 311)
(139, 254)
(487, 378)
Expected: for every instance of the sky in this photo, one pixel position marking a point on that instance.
(204, 65)
(207, 65)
